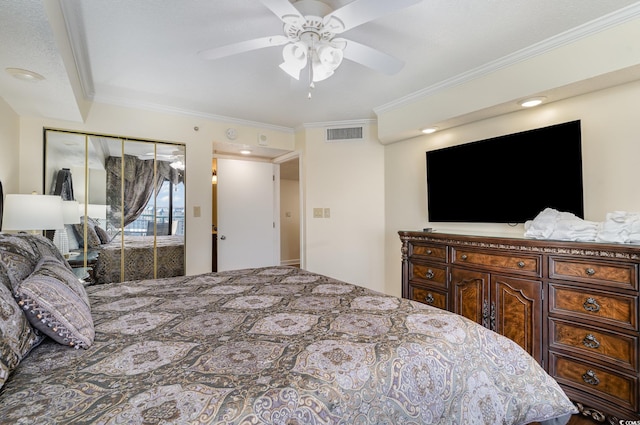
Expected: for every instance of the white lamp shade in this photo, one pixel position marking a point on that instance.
(32, 212)
(70, 213)
(97, 211)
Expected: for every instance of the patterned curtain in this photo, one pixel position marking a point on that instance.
(139, 185)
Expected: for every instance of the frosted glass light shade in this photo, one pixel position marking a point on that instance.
(32, 212)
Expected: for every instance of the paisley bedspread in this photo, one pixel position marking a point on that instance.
(139, 259)
(277, 346)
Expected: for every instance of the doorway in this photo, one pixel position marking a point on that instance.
(290, 219)
(281, 211)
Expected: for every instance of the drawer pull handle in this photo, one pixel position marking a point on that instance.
(591, 305)
(463, 257)
(590, 271)
(590, 341)
(429, 298)
(521, 264)
(590, 377)
(429, 274)
(429, 252)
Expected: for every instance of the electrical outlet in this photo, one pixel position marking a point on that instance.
(327, 212)
(317, 213)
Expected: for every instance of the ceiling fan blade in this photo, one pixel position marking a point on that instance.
(359, 12)
(243, 46)
(282, 9)
(372, 58)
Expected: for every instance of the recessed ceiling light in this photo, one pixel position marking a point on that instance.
(245, 152)
(429, 130)
(24, 74)
(534, 101)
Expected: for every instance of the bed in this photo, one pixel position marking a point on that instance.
(139, 258)
(274, 345)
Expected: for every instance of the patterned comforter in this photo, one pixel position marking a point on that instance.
(139, 260)
(277, 346)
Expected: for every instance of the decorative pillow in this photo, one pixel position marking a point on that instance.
(44, 247)
(17, 258)
(17, 337)
(19, 254)
(93, 240)
(56, 303)
(103, 235)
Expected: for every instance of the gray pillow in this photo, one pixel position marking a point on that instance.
(56, 303)
(93, 240)
(19, 254)
(17, 337)
(103, 235)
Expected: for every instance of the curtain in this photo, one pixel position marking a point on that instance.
(139, 185)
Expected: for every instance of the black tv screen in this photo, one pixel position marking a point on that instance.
(507, 179)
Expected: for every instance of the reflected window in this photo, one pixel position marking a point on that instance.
(169, 215)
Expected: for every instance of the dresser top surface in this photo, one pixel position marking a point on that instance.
(515, 241)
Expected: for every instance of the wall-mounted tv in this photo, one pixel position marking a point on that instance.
(507, 179)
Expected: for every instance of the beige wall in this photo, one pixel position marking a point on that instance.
(9, 146)
(610, 145)
(105, 119)
(348, 178)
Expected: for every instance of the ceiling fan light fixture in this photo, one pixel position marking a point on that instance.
(320, 71)
(330, 56)
(295, 59)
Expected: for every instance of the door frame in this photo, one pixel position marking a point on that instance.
(279, 160)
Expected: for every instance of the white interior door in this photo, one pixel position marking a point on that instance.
(245, 202)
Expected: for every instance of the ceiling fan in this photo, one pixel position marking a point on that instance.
(310, 30)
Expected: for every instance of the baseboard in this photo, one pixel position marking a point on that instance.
(289, 262)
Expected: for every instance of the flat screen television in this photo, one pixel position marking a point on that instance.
(507, 179)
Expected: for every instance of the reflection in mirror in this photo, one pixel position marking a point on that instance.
(132, 203)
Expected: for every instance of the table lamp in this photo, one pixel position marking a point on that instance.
(33, 213)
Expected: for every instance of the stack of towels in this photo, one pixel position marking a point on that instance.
(553, 224)
(619, 227)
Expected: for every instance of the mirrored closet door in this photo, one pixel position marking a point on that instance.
(130, 198)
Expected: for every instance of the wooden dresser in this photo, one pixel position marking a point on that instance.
(572, 305)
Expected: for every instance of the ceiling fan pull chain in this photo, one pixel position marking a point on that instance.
(309, 65)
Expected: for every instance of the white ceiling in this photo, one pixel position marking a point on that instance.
(143, 54)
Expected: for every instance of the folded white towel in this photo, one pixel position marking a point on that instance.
(553, 224)
(619, 226)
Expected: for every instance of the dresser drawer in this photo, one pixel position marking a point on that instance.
(591, 343)
(429, 296)
(617, 388)
(428, 273)
(617, 275)
(528, 265)
(594, 306)
(430, 252)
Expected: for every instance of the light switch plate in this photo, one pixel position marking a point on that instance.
(317, 213)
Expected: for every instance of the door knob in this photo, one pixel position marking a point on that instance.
(223, 237)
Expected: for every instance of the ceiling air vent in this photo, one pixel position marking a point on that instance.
(344, 133)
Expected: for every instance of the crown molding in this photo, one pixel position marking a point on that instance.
(598, 25)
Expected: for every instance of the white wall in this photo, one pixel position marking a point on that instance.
(611, 154)
(9, 146)
(117, 121)
(348, 178)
